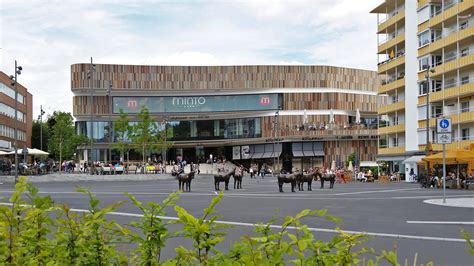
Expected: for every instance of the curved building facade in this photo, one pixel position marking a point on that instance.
(292, 115)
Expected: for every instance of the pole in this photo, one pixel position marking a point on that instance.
(109, 92)
(15, 144)
(274, 140)
(444, 173)
(278, 136)
(41, 127)
(92, 116)
(427, 109)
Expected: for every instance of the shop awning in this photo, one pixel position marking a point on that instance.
(414, 159)
(307, 149)
(368, 164)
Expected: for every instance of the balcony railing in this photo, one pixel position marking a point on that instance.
(389, 16)
(393, 78)
(398, 55)
(392, 145)
(392, 36)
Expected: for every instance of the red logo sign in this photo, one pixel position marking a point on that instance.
(265, 100)
(132, 104)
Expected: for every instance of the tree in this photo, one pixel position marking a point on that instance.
(63, 141)
(36, 135)
(122, 131)
(144, 134)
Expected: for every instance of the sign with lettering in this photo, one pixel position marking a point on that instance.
(197, 103)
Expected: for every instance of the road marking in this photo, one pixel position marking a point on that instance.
(376, 191)
(313, 229)
(441, 222)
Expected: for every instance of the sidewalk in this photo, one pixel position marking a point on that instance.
(65, 177)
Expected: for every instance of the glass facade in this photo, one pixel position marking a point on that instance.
(196, 104)
(11, 93)
(186, 130)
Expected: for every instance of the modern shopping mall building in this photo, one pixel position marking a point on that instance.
(426, 65)
(24, 122)
(295, 115)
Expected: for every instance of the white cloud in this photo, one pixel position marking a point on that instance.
(46, 37)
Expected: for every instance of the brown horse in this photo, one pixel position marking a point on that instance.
(185, 179)
(289, 178)
(223, 178)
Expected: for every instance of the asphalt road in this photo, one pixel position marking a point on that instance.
(385, 211)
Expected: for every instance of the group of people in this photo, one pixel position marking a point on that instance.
(462, 180)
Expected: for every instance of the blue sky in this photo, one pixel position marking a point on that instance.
(46, 37)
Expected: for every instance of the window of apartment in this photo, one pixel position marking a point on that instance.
(10, 112)
(436, 85)
(437, 60)
(423, 63)
(448, 83)
(465, 107)
(435, 35)
(436, 111)
(465, 134)
(422, 88)
(423, 14)
(465, 52)
(423, 38)
(11, 93)
(395, 142)
(463, 25)
(465, 80)
(435, 10)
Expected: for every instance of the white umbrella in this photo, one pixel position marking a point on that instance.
(331, 117)
(333, 165)
(350, 167)
(305, 117)
(20, 151)
(3, 152)
(37, 152)
(357, 116)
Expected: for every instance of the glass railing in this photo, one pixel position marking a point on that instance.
(392, 36)
(391, 15)
(392, 145)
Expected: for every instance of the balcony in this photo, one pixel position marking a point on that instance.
(456, 118)
(392, 129)
(459, 144)
(450, 91)
(447, 39)
(390, 21)
(422, 3)
(384, 46)
(392, 107)
(392, 150)
(459, 63)
(390, 64)
(392, 85)
(451, 11)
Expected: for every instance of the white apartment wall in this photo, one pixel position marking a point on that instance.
(411, 75)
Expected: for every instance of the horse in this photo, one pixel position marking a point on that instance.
(223, 178)
(306, 178)
(289, 178)
(185, 179)
(328, 177)
(238, 178)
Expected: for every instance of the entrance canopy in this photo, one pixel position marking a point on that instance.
(368, 164)
(262, 151)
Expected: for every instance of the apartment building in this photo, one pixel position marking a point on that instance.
(24, 121)
(425, 55)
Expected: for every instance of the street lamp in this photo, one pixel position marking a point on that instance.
(165, 120)
(14, 81)
(90, 78)
(40, 118)
(427, 76)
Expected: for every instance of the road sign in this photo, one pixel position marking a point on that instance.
(443, 125)
(444, 138)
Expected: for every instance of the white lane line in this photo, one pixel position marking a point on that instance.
(313, 229)
(441, 222)
(376, 191)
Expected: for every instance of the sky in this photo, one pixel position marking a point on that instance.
(47, 36)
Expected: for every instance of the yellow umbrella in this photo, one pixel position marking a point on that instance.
(452, 157)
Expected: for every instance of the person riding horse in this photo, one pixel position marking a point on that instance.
(289, 178)
(185, 179)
